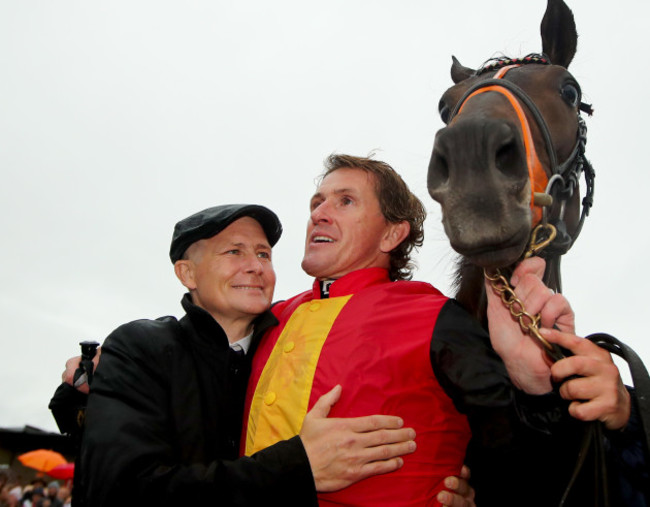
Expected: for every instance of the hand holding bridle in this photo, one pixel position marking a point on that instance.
(524, 357)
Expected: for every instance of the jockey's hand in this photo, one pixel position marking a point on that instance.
(343, 451)
(524, 357)
(598, 392)
(460, 493)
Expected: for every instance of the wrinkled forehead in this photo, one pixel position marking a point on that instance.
(347, 179)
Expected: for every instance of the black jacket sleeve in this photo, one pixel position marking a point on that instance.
(68, 407)
(130, 453)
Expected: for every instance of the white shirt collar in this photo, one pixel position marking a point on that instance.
(243, 344)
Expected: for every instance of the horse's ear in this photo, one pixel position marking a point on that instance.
(559, 36)
(458, 72)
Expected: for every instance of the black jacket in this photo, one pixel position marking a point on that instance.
(163, 422)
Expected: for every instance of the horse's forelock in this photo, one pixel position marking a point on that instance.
(503, 61)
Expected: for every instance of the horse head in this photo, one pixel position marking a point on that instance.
(511, 153)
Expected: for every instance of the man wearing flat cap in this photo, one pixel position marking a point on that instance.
(164, 415)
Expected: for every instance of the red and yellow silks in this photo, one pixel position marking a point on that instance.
(372, 336)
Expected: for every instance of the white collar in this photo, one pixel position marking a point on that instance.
(243, 344)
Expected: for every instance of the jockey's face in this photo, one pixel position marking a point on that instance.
(346, 230)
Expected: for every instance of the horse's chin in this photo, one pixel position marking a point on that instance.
(495, 258)
(492, 256)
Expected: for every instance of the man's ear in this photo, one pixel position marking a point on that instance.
(394, 235)
(184, 269)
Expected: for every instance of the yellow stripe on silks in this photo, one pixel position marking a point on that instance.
(281, 397)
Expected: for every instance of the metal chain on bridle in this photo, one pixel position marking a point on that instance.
(528, 323)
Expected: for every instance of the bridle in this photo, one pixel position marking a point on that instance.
(565, 176)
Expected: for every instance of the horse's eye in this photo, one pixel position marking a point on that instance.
(443, 110)
(571, 94)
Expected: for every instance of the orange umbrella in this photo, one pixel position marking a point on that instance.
(42, 460)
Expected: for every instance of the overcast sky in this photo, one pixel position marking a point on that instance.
(119, 118)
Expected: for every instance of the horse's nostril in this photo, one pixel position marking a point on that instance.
(507, 158)
(438, 171)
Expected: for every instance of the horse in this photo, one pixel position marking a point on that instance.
(506, 170)
(510, 159)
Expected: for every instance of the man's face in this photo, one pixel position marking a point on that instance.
(346, 230)
(231, 273)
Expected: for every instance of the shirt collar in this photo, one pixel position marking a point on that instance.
(243, 344)
(353, 282)
(209, 329)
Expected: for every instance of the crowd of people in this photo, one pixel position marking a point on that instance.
(37, 493)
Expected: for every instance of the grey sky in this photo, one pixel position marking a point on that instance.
(119, 118)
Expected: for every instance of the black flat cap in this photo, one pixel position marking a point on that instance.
(212, 221)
